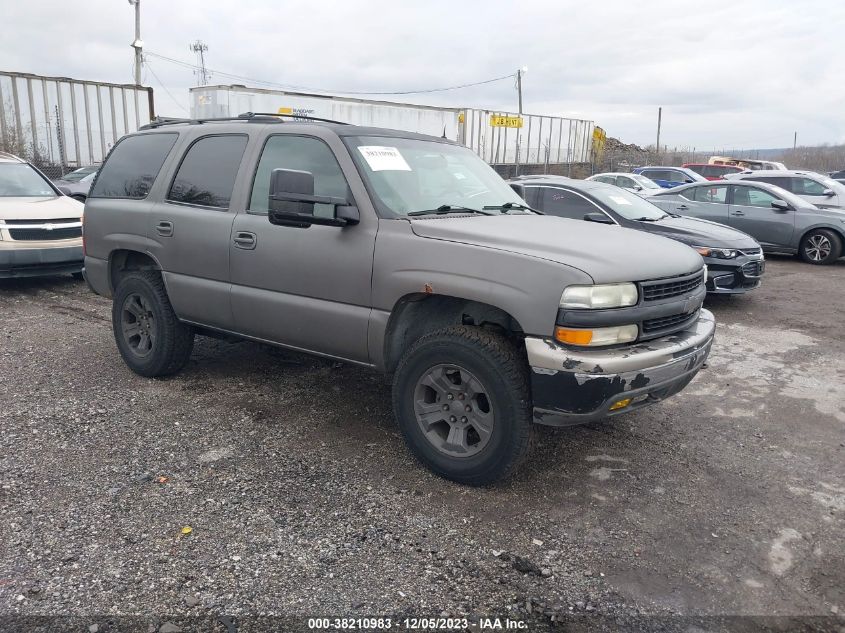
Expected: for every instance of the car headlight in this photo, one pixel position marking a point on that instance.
(596, 336)
(718, 253)
(601, 296)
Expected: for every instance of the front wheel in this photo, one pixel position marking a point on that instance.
(821, 247)
(151, 339)
(462, 401)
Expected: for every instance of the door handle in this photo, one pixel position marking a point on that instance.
(245, 240)
(164, 228)
(738, 213)
(682, 207)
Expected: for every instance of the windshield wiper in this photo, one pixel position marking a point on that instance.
(443, 209)
(507, 206)
(645, 219)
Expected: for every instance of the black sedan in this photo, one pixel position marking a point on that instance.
(734, 259)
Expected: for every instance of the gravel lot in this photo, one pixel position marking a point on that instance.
(729, 499)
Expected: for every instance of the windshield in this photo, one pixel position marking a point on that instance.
(410, 175)
(79, 174)
(21, 180)
(629, 205)
(647, 183)
(836, 186)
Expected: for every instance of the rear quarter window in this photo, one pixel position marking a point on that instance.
(132, 166)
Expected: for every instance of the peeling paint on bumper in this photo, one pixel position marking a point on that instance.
(576, 386)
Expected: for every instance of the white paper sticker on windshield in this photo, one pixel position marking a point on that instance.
(383, 158)
(619, 200)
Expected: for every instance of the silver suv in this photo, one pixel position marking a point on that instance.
(396, 251)
(822, 191)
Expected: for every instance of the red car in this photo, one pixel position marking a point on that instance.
(713, 172)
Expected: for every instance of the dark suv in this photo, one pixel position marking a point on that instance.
(396, 251)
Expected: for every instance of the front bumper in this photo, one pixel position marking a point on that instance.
(734, 276)
(29, 262)
(572, 386)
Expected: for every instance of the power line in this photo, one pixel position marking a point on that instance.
(194, 67)
(172, 98)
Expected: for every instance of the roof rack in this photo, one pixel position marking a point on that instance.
(256, 117)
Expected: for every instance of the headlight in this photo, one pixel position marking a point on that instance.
(718, 253)
(595, 297)
(596, 336)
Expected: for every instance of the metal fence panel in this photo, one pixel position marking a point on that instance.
(60, 124)
(541, 141)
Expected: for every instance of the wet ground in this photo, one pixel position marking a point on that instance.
(301, 499)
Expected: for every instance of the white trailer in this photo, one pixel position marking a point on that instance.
(539, 140)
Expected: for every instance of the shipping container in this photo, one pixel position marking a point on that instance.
(500, 138)
(222, 101)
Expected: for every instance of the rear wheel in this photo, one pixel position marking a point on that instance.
(149, 336)
(821, 246)
(462, 401)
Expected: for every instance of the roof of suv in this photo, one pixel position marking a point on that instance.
(776, 173)
(296, 124)
(5, 157)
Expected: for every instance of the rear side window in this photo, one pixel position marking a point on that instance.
(207, 174)
(784, 183)
(132, 166)
(714, 195)
(566, 204)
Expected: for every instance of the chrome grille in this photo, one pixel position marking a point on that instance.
(751, 251)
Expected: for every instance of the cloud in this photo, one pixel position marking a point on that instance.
(743, 74)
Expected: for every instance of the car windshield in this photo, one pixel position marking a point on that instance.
(629, 205)
(412, 176)
(830, 183)
(646, 183)
(21, 180)
(78, 174)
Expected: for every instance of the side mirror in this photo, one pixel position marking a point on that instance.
(780, 206)
(67, 192)
(638, 187)
(828, 193)
(688, 180)
(598, 217)
(292, 200)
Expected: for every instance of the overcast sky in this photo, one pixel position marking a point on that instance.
(740, 74)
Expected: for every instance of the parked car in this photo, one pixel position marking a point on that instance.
(712, 172)
(78, 187)
(734, 260)
(746, 163)
(838, 175)
(635, 183)
(396, 251)
(781, 221)
(40, 229)
(822, 191)
(78, 174)
(668, 177)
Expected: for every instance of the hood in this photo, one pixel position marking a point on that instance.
(48, 208)
(608, 253)
(700, 233)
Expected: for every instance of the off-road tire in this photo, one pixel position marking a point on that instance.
(502, 368)
(833, 240)
(174, 340)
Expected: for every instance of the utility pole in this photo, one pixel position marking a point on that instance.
(202, 74)
(795, 141)
(659, 117)
(138, 44)
(519, 74)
